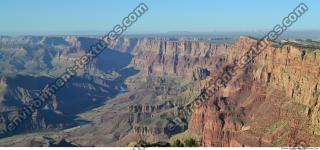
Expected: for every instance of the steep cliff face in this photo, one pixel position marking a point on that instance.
(280, 86)
(217, 122)
(295, 70)
(173, 57)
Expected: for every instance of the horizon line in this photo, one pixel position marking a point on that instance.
(98, 33)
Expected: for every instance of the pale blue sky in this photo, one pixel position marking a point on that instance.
(38, 16)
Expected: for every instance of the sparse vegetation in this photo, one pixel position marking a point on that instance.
(191, 142)
(177, 143)
(143, 143)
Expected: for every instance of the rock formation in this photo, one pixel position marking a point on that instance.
(274, 100)
(290, 69)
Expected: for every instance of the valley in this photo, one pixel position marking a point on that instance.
(131, 92)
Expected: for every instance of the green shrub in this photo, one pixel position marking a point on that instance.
(177, 143)
(143, 143)
(191, 143)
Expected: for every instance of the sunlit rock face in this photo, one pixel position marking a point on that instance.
(283, 82)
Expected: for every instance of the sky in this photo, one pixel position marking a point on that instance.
(63, 16)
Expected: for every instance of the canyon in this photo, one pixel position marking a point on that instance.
(273, 101)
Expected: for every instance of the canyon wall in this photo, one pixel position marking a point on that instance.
(173, 57)
(283, 75)
(279, 75)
